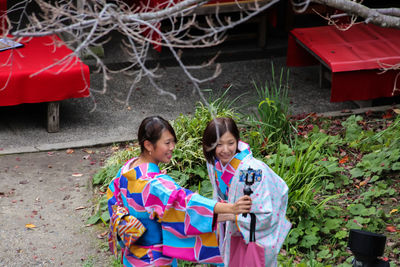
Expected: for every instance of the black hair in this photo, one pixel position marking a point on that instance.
(151, 129)
(220, 125)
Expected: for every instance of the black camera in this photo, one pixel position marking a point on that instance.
(366, 248)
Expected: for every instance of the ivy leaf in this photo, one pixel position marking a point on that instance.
(309, 240)
(396, 166)
(324, 254)
(356, 209)
(368, 212)
(353, 130)
(357, 172)
(293, 237)
(330, 224)
(330, 186)
(341, 234)
(374, 178)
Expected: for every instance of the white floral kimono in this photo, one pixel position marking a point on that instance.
(270, 197)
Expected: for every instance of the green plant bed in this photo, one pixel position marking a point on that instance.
(343, 173)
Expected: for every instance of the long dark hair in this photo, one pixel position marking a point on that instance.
(220, 125)
(151, 129)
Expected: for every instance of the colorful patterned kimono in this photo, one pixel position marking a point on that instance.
(269, 197)
(174, 222)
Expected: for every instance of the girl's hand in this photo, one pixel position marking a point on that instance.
(242, 205)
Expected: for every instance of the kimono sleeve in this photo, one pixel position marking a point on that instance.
(179, 209)
(269, 205)
(187, 221)
(114, 193)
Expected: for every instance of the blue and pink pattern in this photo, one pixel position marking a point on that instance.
(269, 203)
(179, 223)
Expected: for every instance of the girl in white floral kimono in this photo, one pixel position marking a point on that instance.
(229, 161)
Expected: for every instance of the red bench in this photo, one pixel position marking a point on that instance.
(25, 79)
(353, 59)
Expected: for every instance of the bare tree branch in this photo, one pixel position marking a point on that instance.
(168, 24)
(388, 17)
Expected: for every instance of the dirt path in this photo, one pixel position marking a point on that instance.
(50, 191)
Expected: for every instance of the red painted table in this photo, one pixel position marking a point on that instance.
(25, 79)
(353, 58)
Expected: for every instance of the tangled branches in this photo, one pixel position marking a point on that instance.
(144, 25)
(383, 17)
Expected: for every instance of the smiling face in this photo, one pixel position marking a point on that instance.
(226, 147)
(161, 151)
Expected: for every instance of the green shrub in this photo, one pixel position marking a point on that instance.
(269, 125)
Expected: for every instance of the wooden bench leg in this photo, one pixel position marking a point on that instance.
(53, 117)
(324, 75)
(262, 31)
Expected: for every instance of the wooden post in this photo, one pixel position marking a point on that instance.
(262, 31)
(53, 117)
(324, 76)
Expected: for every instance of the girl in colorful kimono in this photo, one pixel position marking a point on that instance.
(229, 162)
(153, 219)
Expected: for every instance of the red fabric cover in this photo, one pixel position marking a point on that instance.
(38, 53)
(354, 57)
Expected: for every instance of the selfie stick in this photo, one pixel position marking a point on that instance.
(247, 189)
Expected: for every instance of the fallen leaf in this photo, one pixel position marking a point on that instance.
(390, 244)
(396, 110)
(30, 226)
(69, 151)
(102, 235)
(365, 181)
(391, 228)
(114, 148)
(88, 151)
(80, 208)
(393, 211)
(346, 111)
(77, 174)
(226, 85)
(344, 160)
(387, 115)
